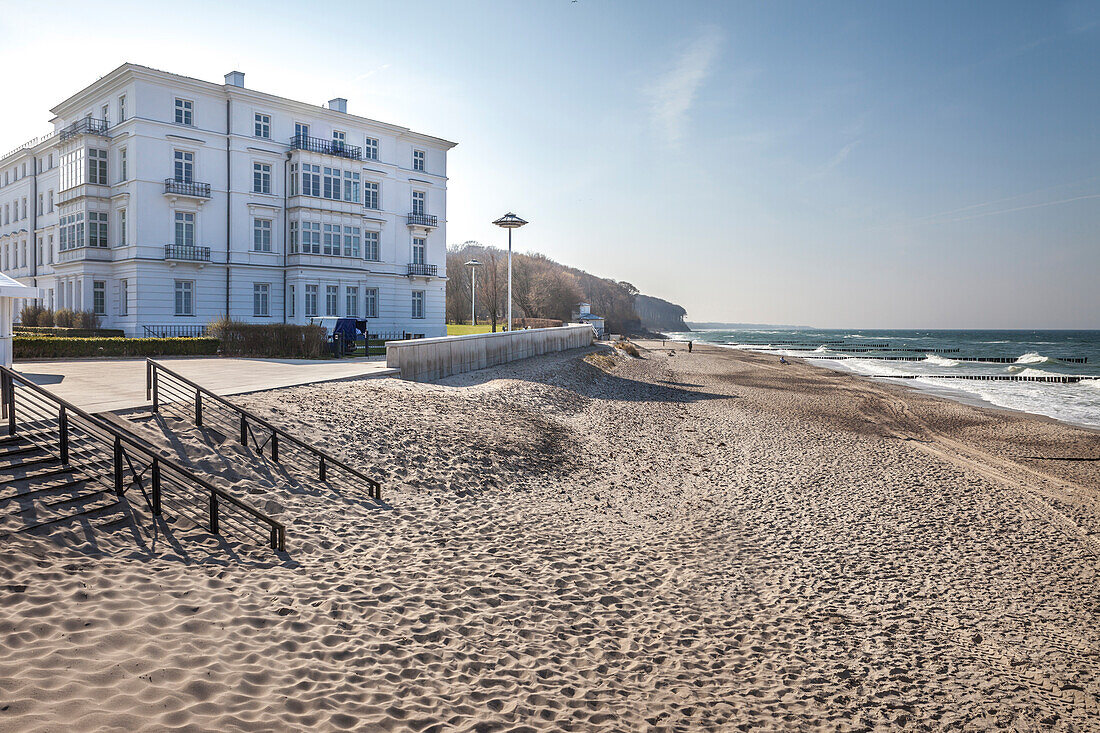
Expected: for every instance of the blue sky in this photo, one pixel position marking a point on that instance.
(877, 164)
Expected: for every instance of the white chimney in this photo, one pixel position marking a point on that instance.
(339, 105)
(235, 79)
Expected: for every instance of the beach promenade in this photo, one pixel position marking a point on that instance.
(587, 541)
(99, 385)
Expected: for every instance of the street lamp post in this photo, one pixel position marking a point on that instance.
(510, 221)
(473, 265)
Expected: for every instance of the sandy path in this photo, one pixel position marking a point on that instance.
(682, 542)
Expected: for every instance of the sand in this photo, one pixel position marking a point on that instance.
(703, 541)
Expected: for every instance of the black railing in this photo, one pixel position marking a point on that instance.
(423, 220)
(86, 126)
(174, 331)
(206, 409)
(187, 188)
(419, 268)
(186, 252)
(122, 461)
(328, 147)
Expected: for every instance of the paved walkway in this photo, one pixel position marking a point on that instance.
(98, 385)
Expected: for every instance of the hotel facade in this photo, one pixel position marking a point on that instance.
(162, 202)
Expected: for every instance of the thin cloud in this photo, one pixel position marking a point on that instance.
(369, 74)
(674, 92)
(840, 156)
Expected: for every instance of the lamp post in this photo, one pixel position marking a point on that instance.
(473, 265)
(510, 221)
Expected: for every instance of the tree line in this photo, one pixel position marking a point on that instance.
(541, 288)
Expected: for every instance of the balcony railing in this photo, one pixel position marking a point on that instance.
(83, 252)
(419, 268)
(423, 220)
(86, 126)
(193, 189)
(328, 147)
(186, 252)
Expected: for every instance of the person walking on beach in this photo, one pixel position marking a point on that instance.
(689, 346)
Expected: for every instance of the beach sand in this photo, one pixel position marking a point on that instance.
(690, 541)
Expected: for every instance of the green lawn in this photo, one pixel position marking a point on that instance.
(464, 329)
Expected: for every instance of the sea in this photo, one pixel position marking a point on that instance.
(942, 353)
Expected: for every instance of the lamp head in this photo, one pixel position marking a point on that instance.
(510, 221)
(473, 263)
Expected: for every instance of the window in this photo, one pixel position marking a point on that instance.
(49, 201)
(351, 241)
(105, 113)
(419, 250)
(311, 301)
(290, 300)
(49, 250)
(185, 229)
(418, 160)
(370, 302)
(333, 176)
(418, 304)
(339, 137)
(123, 170)
(332, 296)
(261, 235)
(351, 302)
(97, 166)
(293, 237)
(99, 297)
(371, 195)
(261, 300)
(123, 297)
(122, 112)
(24, 208)
(185, 297)
(97, 229)
(71, 231)
(185, 112)
(331, 244)
(38, 252)
(263, 125)
(370, 246)
(41, 203)
(311, 180)
(310, 238)
(184, 170)
(370, 148)
(419, 199)
(261, 178)
(122, 227)
(301, 132)
(351, 187)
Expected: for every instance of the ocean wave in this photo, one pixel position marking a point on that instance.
(1033, 357)
(938, 360)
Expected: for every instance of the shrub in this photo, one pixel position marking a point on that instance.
(45, 319)
(628, 348)
(52, 347)
(269, 339)
(64, 318)
(536, 322)
(69, 332)
(87, 320)
(29, 314)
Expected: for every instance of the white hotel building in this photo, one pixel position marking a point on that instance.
(162, 202)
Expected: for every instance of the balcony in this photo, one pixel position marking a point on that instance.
(186, 252)
(427, 221)
(83, 253)
(190, 189)
(86, 126)
(327, 147)
(423, 270)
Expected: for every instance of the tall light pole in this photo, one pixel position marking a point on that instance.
(510, 221)
(473, 265)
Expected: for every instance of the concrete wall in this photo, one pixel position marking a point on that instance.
(423, 360)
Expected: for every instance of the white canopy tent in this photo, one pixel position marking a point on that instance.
(10, 290)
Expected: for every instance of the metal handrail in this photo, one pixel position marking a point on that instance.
(85, 126)
(188, 252)
(324, 459)
(118, 436)
(422, 268)
(328, 147)
(197, 189)
(175, 331)
(424, 220)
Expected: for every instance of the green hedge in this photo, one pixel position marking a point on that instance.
(70, 332)
(52, 347)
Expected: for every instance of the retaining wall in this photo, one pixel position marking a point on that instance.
(423, 360)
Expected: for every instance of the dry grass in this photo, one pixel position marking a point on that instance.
(605, 362)
(629, 348)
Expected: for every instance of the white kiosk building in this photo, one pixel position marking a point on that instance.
(162, 202)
